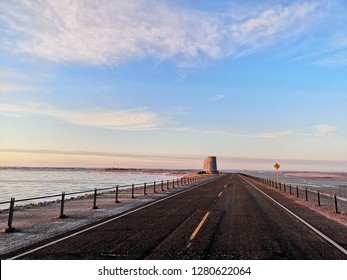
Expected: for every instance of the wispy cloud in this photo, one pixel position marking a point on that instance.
(275, 134)
(14, 87)
(271, 25)
(135, 119)
(147, 157)
(15, 81)
(111, 32)
(264, 135)
(10, 74)
(320, 130)
(67, 152)
(337, 58)
(5, 87)
(324, 130)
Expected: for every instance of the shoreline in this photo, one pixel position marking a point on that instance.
(135, 169)
(148, 171)
(316, 174)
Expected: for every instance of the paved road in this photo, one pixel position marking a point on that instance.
(225, 219)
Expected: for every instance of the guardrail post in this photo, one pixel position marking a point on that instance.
(145, 189)
(318, 198)
(280, 186)
(297, 191)
(116, 201)
(290, 189)
(335, 204)
(167, 184)
(9, 227)
(162, 185)
(173, 183)
(94, 202)
(306, 198)
(62, 215)
(178, 183)
(284, 187)
(132, 191)
(154, 187)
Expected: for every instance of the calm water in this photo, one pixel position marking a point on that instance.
(28, 183)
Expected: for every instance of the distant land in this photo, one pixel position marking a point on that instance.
(337, 175)
(112, 169)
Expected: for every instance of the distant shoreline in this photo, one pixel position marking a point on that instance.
(145, 170)
(337, 175)
(103, 169)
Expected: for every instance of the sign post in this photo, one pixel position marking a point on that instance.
(277, 166)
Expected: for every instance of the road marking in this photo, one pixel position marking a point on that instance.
(220, 194)
(108, 221)
(199, 226)
(332, 242)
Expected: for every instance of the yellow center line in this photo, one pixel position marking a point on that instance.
(199, 226)
(220, 194)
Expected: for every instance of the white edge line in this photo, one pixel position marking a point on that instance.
(343, 250)
(105, 222)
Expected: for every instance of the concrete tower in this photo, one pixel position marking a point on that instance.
(210, 165)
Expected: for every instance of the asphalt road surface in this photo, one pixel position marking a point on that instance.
(224, 219)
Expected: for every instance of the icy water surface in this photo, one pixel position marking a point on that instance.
(336, 182)
(23, 183)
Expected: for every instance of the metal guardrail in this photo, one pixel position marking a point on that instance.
(331, 201)
(117, 190)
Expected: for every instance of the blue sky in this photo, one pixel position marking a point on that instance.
(167, 83)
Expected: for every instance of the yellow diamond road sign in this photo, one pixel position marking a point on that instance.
(277, 166)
